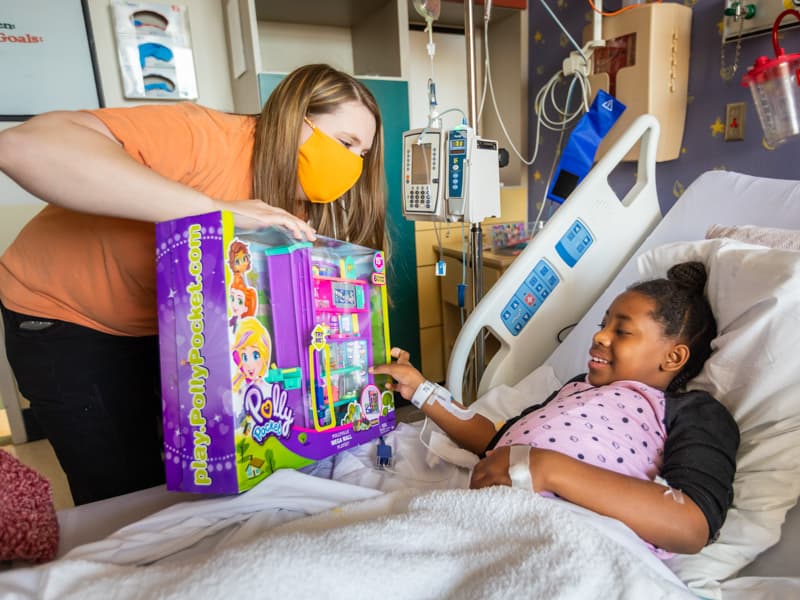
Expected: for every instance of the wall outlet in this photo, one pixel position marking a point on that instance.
(734, 121)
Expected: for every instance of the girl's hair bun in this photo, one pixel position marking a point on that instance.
(690, 275)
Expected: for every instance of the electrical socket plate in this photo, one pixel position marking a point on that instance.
(734, 121)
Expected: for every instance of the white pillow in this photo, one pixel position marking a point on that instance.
(788, 239)
(754, 371)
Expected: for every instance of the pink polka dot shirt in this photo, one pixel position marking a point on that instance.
(619, 427)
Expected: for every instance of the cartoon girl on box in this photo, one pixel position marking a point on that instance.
(243, 298)
(252, 350)
(239, 260)
(243, 301)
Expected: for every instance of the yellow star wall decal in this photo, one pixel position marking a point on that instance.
(536, 175)
(538, 37)
(717, 127)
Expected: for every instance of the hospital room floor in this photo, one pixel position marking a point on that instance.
(39, 456)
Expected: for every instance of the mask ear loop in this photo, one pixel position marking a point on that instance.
(333, 220)
(345, 217)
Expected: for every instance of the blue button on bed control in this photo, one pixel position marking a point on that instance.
(529, 297)
(574, 243)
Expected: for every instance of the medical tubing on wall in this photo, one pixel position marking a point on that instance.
(540, 103)
(578, 49)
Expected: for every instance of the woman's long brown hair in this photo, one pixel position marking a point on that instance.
(313, 90)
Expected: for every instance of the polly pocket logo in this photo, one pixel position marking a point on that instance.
(266, 404)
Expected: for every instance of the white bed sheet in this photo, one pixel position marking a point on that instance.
(192, 530)
(450, 543)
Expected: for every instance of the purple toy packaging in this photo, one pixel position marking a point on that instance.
(265, 344)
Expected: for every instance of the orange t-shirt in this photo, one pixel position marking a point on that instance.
(99, 272)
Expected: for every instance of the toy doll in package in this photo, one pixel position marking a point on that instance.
(265, 344)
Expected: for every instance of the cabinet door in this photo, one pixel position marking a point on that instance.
(241, 32)
(392, 99)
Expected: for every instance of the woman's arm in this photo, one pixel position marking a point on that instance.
(661, 519)
(72, 160)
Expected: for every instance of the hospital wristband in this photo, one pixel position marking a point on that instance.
(423, 392)
(519, 467)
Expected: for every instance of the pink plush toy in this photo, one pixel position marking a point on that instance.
(28, 523)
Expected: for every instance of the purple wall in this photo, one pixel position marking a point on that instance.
(704, 147)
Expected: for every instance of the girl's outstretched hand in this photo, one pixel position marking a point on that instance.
(492, 470)
(407, 377)
(252, 214)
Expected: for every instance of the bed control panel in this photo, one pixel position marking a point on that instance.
(537, 287)
(574, 243)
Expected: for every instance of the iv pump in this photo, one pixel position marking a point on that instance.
(450, 175)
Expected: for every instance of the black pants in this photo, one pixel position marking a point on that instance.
(97, 398)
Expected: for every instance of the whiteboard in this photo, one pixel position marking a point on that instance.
(46, 58)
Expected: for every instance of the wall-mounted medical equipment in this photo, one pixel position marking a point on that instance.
(564, 267)
(750, 18)
(450, 175)
(645, 65)
(740, 13)
(775, 86)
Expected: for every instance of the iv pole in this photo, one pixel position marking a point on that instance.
(476, 234)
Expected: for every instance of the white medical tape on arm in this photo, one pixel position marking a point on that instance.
(444, 398)
(675, 493)
(431, 393)
(519, 467)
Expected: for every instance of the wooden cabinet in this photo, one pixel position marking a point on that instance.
(367, 38)
(494, 265)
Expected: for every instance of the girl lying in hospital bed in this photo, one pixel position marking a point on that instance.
(622, 440)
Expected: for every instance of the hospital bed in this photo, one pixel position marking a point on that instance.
(413, 531)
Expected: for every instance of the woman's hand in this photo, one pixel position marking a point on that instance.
(252, 214)
(492, 470)
(407, 377)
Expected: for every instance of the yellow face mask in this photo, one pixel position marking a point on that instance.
(325, 168)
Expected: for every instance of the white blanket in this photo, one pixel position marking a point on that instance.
(458, 543)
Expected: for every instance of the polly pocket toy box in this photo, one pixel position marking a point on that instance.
(265, 345)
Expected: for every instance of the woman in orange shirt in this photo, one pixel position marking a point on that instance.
(77, 285)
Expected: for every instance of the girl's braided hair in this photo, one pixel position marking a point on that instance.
(684, 312)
